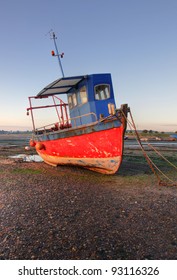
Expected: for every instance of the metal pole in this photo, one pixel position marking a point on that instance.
(56, 108)
(57, 53)
(31, 108)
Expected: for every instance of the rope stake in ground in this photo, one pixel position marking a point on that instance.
(151, 164)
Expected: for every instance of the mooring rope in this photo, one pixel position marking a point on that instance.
(157, 152)
(151, 164)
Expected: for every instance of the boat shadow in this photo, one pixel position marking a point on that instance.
(133, 168)
(128, 168)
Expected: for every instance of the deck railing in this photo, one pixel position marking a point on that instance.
(66, 124)
(63, 122)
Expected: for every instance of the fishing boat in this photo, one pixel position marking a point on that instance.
(173, 137)
(88, 131)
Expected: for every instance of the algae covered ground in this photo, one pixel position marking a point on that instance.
(73, 213)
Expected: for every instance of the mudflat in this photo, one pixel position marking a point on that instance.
(72, 213)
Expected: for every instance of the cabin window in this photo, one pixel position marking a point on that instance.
(74, 100)
(70, 102)
(83, 95)
(102, 92)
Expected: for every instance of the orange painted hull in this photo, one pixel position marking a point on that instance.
(100, 151)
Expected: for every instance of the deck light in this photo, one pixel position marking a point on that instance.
(52, 53)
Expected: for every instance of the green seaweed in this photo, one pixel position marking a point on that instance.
(26, 171)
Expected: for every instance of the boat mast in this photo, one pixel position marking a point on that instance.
(57, 53)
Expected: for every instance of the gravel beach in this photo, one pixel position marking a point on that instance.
(50, 213)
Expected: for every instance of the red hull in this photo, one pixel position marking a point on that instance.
(100, 151)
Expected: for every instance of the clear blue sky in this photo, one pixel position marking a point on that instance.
(134, 40)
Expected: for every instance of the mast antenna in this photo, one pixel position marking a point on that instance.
(59, 55)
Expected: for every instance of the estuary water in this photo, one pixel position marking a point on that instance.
(27, 158)
(23, 140)
(133, 144)
(11, 140)
(14, 140)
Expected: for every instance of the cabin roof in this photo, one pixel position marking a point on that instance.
(61, 86)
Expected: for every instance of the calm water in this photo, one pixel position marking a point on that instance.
(28, 158)
(13, 140)
(133, 144)
(18, 140)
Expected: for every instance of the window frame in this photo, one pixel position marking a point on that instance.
(70, 103)
(86, 95)
(106, 96)
(74, 99)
